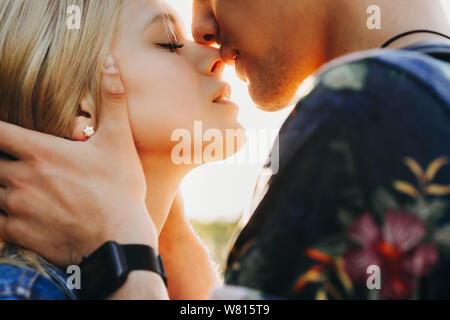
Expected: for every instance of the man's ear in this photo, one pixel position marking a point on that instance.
(85, 118)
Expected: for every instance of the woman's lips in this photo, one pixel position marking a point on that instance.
(223, 95)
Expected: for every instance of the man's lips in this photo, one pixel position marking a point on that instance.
(229, 55)
(232, 56)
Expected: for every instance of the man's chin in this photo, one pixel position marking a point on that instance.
(267, 101)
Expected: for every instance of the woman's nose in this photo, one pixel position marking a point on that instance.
(211, 64)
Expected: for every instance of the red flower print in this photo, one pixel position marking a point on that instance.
(395, 249)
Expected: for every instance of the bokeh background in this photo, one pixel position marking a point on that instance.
(217, 195)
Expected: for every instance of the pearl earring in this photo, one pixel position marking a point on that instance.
(89, 132)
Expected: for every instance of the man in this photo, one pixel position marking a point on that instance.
(362, 192)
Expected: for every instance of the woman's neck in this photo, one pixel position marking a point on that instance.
(163, 180)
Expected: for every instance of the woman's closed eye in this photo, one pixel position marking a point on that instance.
(172, 47)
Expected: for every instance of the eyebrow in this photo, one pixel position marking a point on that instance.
(162, 17)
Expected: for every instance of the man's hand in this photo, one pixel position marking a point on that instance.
(62, 198)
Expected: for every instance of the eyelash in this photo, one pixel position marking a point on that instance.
(172, 47)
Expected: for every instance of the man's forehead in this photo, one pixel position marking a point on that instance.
(215, 4)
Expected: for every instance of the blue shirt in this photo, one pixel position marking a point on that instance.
(21, 283)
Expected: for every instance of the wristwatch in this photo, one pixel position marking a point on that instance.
(106, 270)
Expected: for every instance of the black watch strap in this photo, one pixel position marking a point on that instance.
(142, 257)
(104, 271)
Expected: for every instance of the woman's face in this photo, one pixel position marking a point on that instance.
(168, 88)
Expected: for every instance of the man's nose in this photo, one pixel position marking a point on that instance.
(205, 29)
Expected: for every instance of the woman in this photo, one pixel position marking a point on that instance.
(49, 82)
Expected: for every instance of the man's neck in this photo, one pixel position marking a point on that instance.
(416, 38)
(348, 31)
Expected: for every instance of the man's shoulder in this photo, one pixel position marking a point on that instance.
(21, 283)
(367, 85)
(411, 59)
(376, 73)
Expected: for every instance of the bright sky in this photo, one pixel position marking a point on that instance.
(222, 191)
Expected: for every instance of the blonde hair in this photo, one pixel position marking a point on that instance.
(46, 69)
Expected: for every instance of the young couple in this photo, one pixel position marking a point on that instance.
(364, 177)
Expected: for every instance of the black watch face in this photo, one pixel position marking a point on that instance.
(102, 272)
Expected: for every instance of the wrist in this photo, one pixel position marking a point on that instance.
(175, 233)
(141, 232)
(107, 269)
(142, 285)
(135, 228)
(176, 226)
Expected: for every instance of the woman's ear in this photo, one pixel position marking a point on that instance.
(85, 118)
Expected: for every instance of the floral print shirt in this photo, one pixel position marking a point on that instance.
(360, 206)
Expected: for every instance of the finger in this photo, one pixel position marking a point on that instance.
(10, 224)
(4, 227)
(113, 120)
(22, 143)
(2, 200)
(8, 170)
(10, 230)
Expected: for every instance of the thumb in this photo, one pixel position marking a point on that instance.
(113, 118)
